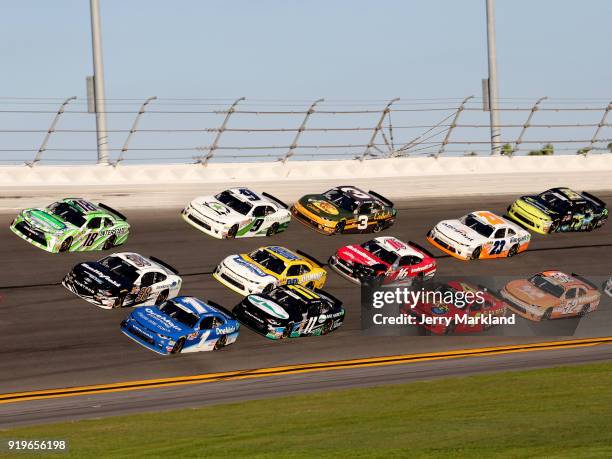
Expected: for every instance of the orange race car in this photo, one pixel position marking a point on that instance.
(551, 295)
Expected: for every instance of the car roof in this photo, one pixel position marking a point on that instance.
(351, 190)
(236, 192)
(564, 280)
(494, 220)
(195, 305)
(393, 244)
(142, 263)
(283, 253)
(568, 194)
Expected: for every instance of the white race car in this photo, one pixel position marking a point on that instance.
(607, 287)
(238, 212)
(480, 234)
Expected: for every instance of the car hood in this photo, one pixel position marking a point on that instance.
(357, 254)
(528, 293)
(247, 268)
(158, 322)
(537, 207)
(210, 207)
(99, 278)
(319, 205)
(457, 231)
(45, 221)
(263, 307)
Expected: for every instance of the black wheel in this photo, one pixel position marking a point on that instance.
(340, 227)
(66, 244)
(451, 328)
(554, 227)
(178, 347)
(119, 302)
(513, 251)
(378, 227)
(220, 343)
(288, 329)
(476, 253)
(327, 327)
(163, 296)
(267, 289)
(310, 285)
(272, 230)
(231, 234)
(110, 242)
(547, 314)
(585, 310)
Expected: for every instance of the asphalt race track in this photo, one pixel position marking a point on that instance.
(51, 339)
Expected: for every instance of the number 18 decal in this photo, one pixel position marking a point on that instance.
(363, 222)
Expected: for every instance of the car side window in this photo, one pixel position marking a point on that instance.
(571, 293)
(500, 233)
(259, 211)
(270, 210)
(409, 260)
(217, 322)
(365, 208)
(147, 279)
(107, 223)
(160, 277)
(294, 270)
(511, 232)
(94, 223)
(207, 323)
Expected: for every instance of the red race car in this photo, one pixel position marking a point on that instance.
(456, 307)
(383, 258)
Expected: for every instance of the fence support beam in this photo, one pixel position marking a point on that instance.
(378, 127)
(126, 144)
(599, 126)
(452, 126)
(211, 150)
(301, 129)
(51, 130)
(527, 124)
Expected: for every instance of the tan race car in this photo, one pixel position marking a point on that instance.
(551, 295)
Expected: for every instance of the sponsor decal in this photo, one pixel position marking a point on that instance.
(101, 275)
(115, 231)
(138, 260)
(161, 318)
(251, 267)
(269, 307)
(323, 206)
(219, 208)
(283, 252)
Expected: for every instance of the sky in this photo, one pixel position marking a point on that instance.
(290, 50)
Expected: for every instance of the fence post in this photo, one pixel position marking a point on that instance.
(386, 110)
(51, 130)
(599, 126)
(211, 150)
(452, 126)
(133, 130)
(527, 124)
(301, 129)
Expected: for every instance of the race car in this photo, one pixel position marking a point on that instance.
(456, 307)
(122, 280)
(607, 287)
(268, 267)
(290, 311)
(385, 258)
(559, 210)
(551, 295)
(72, 225)
(237, 212)
(480, 234)
(182, 324)
(345, 209)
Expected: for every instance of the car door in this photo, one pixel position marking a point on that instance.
(90, 233)
(570, 303)
(364, 216)
(143, 288)
(294, 273)
(207, 331)
(259, 217)
(499, 243)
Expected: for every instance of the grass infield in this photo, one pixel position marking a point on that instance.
(552, 413)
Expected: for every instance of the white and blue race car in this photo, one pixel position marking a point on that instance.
(182, 324)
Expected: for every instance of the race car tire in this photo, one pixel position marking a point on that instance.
(220, 343)
(231, 234)
(178, 347)
(476, 253)
(310, 285)
(327, 327)
(119, 302)
(272, 230)
(163, 296)
(288, 329)
(547, 314)
(585, 310)
(267, 289)
(109, 243)
(66, 244)
(339, 227)
(513, 250)
(378, 227)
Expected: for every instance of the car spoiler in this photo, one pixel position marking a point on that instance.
(275, 199)
(329, 295)
(585, 280)
(310, 257)
(110, 209)
(594, 199)
(382, 198)
(164, 264)
(421, 248)
(224, 310)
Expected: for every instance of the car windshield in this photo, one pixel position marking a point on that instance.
(481, 228)
(341, 200)
(233, 202)
(283, 296)
(375, 249)
(183, 316)
(68, 213)
(269, 261)
(544, 284)
(554, 201)
(120, 267)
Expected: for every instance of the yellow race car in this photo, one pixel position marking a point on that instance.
(268, 267)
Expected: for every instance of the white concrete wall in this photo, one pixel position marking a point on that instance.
(405, 178)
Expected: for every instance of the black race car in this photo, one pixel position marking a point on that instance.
(290, 311)
(124, 279)
(559, 210)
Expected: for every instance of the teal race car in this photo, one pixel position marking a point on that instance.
(72, 225)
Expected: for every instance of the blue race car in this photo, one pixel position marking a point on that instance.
(182, 324)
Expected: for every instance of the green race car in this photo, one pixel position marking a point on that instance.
(72, 225)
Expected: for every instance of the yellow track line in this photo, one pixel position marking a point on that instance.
(301, 368)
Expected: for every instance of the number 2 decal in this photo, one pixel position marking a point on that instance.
(498, 246)
(363, 222)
